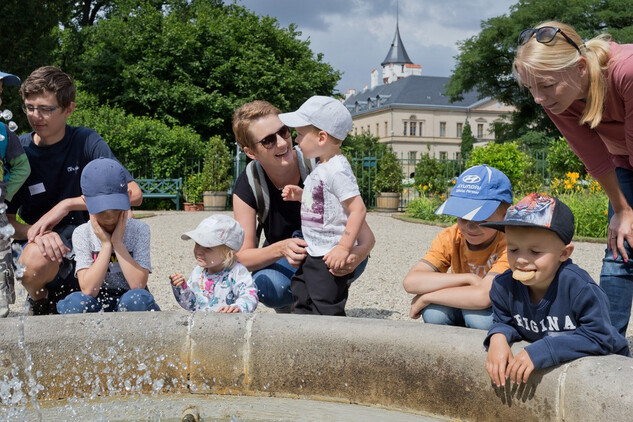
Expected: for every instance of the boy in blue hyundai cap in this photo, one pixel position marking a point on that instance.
(474, 254)
(112, 251)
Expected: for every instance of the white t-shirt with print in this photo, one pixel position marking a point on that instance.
(323, 218)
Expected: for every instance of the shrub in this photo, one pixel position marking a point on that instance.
(506, 157)
(389, 174)
(561, 159)
(424, 209)
(216, 171)
(430, 176)
(192, 188)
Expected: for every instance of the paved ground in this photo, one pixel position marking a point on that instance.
(377, 294)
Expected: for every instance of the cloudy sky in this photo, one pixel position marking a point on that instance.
(355, 35)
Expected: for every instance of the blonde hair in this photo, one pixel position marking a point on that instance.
(560, 56)
(230, 256)
(245, 115)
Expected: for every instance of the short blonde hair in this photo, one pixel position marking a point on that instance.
(230, 256)
(560, 56)
(245, 115)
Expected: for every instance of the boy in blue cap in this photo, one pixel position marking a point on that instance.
(474, 254)
(15, 169)
(112, 252)
(544, 297)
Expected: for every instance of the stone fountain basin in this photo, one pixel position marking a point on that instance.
(409, 367)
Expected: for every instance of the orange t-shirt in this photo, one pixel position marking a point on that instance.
(449, 250)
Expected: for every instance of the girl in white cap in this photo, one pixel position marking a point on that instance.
(218, 283)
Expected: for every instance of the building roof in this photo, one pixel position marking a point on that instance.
(397, 53)
(411, 91)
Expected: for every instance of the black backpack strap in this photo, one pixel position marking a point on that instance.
(257, 182)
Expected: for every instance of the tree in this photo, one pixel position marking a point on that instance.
(194, 62)
(485, 60)
(468, 140)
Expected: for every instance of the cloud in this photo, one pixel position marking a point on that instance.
(354, 36)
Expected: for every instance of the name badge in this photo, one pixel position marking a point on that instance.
(37, 188)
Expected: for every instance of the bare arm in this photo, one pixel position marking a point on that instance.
(255, 258)
(135, 193)
(424, 278)
(474, 297)
(620, 226)
(366, 241)
(337, 257)
(135, 275)
(49, 220)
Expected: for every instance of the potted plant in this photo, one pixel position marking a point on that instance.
(216, 174)
(388, 183)
(192, 191)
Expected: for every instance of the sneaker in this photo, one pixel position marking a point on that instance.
(40, 307)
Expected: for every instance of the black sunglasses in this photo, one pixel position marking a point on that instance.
(544, 35)
(270, 140)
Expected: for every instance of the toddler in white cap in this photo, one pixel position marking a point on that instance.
(218, 283)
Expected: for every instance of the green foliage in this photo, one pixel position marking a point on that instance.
(424, 209)
(535, 142)
(360, 150)
(561, 159)
(506, 157)
(194, 62)
(485, 60)
(430, 176)
(216, 171)
(389, 175)
(590, 213)
(468, 140)
(192, 188)
(147, 147)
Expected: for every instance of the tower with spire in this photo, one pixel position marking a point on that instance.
(397, 64)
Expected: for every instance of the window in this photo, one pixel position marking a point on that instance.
(480, 130)
(460, 129)
(458, 155)
(443, 155)
(386, 133)
(405, 129)
(421, 126)
(412, 127)
(413, 155)
(442, 129)
(377, 129)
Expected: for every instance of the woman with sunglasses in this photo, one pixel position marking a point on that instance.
(263, 137)
(587, 91)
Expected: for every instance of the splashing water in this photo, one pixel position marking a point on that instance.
(13, 126)
(7, 114)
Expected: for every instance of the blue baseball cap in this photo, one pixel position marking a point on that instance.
(477, 194)
(104, 186)
(9, 79)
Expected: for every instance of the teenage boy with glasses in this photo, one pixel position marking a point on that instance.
(50, 200)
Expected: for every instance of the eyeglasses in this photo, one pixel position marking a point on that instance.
(544, 35)
(270, 140)
(44, 111)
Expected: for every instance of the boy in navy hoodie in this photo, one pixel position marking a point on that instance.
(544, 298)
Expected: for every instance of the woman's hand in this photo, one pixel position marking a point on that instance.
(294, 249)
(620, 229)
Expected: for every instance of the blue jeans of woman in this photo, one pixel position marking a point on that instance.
(616, 276)
(446, 315)
(117, 301)
(273, 282)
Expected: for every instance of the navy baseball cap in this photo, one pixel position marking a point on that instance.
(477, 194)
(9, 79)
(542, 211)
(104, 186)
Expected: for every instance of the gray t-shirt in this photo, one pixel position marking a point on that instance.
(86, 246)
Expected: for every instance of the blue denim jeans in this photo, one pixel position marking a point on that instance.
(273, 282)
(132, 300)
(445, 315)
(616, 276)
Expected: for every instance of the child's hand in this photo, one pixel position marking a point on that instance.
(499, 354)
(418, 303)
(520, 368)
(291, 193)
(229, 309)
(177, 279)
(117, 234)
(336, 258)
(101, 234)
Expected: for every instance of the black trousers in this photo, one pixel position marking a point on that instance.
(316, 291)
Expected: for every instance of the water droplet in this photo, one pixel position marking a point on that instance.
(13, 126)
(7, 115)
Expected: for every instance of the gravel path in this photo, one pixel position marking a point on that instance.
(377, 294)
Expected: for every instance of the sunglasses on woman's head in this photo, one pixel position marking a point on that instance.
(544, 35)
(270, 140)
